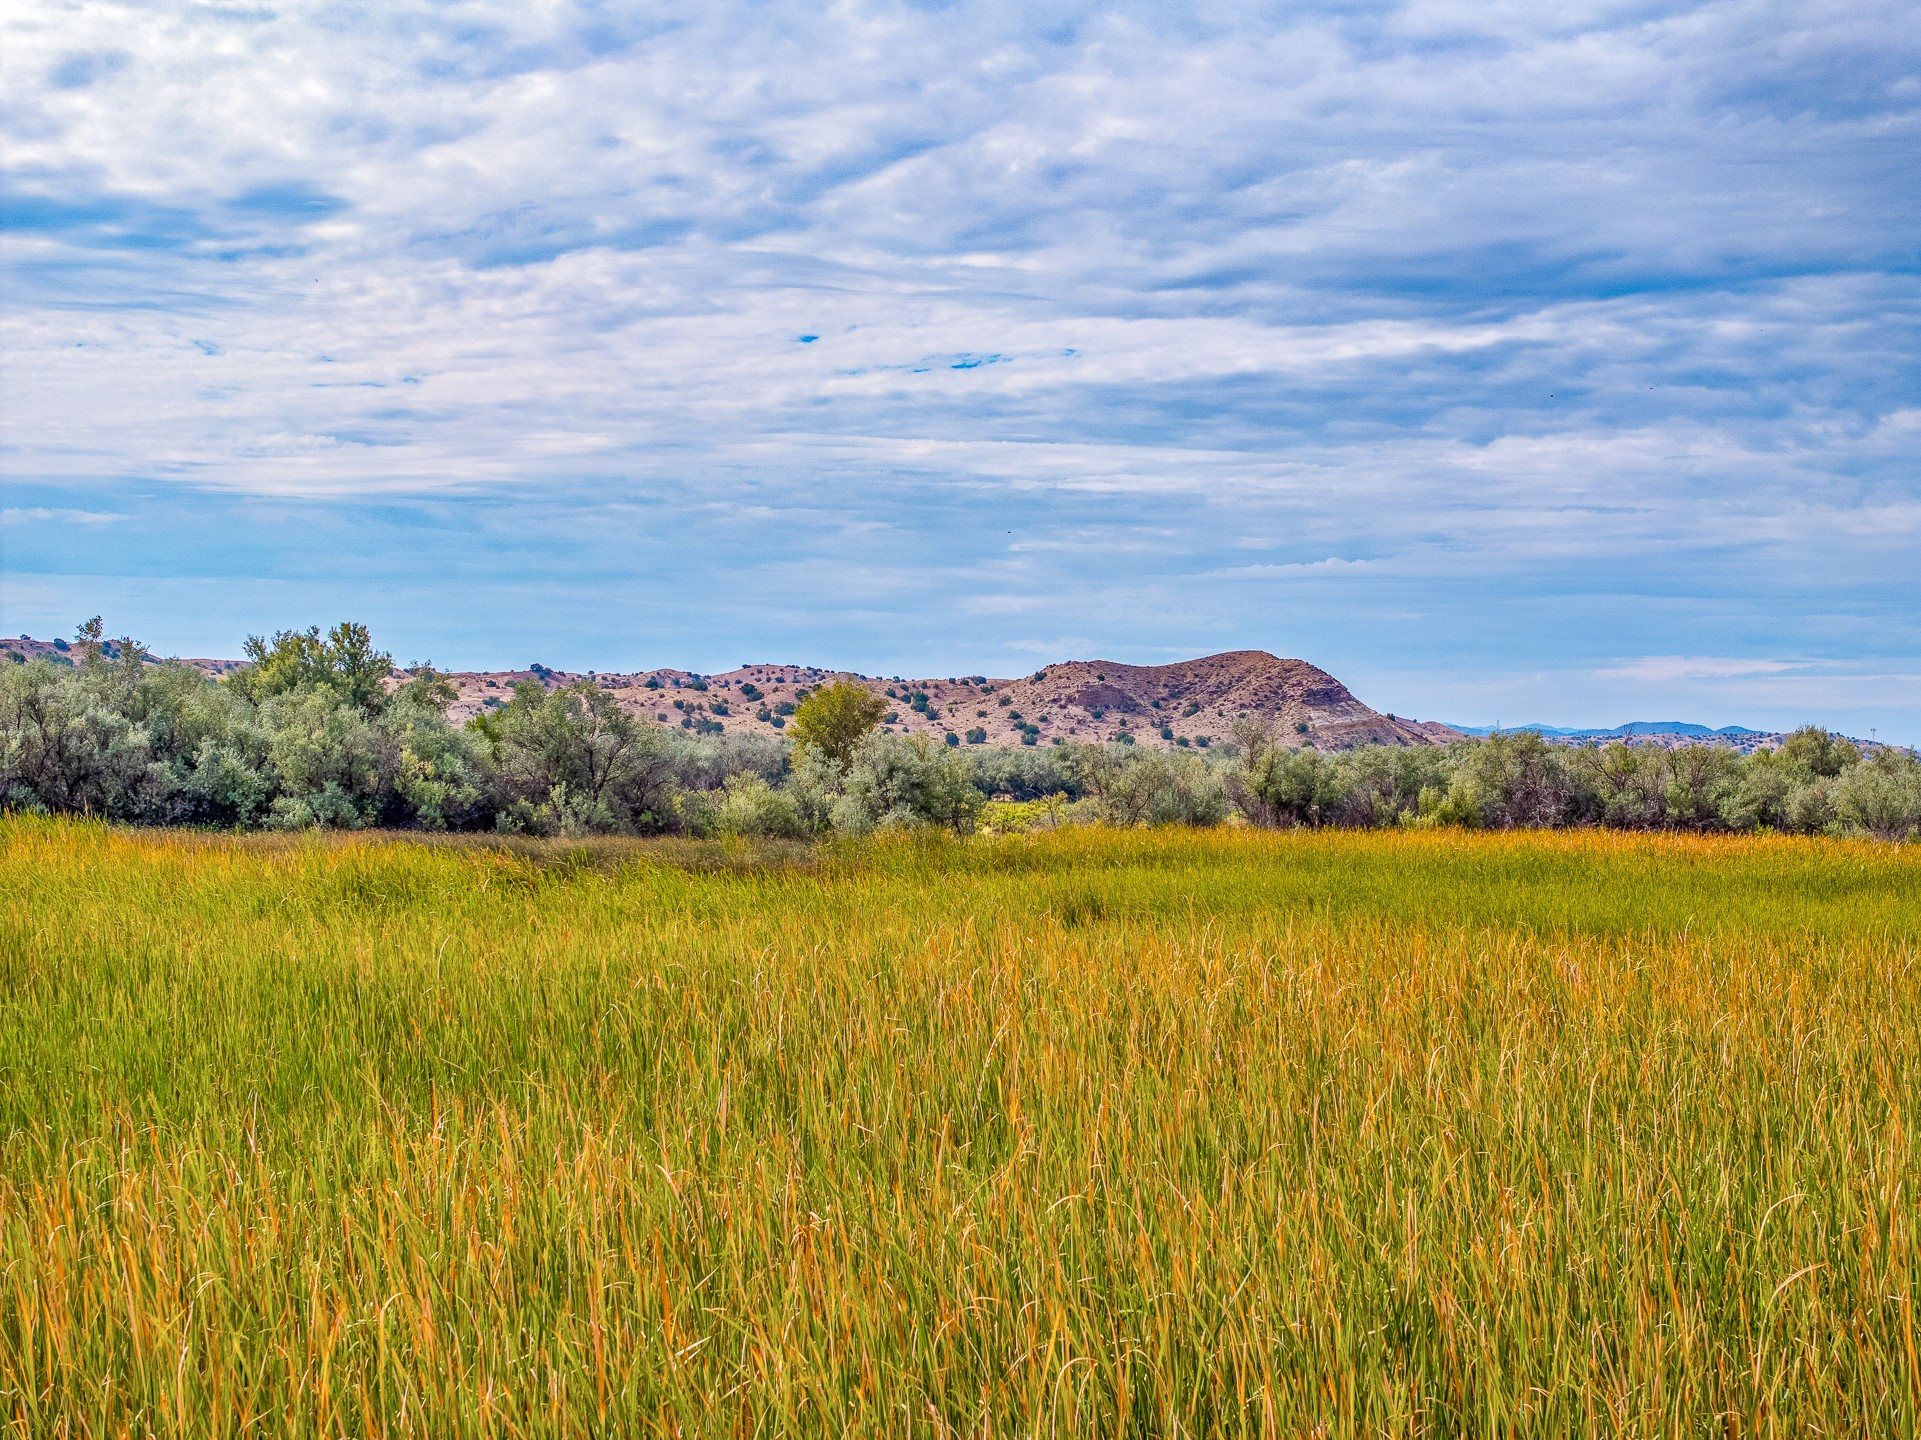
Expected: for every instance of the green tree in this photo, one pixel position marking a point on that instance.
(62, 748)
(1818, 753)
(835, 717)
(91, 635)
(1511, 780)
(1278, 786)
(571, 761)
(343, 661)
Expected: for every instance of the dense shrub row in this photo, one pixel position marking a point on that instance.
(1814, 783)
(312, 733)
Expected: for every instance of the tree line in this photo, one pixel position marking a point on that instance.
(316, 731)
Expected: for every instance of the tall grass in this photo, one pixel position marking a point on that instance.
(1108, 1133)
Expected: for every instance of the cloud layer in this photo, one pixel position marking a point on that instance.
(1486, 354)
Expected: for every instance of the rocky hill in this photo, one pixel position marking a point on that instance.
(1193, 702)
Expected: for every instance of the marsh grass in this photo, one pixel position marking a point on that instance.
(1086, 1132)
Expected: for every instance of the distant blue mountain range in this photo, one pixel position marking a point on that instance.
(1633, 727)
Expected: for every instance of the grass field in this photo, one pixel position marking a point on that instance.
(1093, 1133)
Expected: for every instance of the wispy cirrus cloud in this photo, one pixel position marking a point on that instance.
(1695, 667)
(44, 514)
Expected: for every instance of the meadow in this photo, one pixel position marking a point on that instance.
(1103, 1132)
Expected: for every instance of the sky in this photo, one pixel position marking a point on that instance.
(1513, 362)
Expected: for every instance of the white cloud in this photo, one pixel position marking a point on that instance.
(1489, 300)
(44, 514)
(1658, 668)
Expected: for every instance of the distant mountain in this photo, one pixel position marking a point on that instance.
(1633, 727)
(1678, 727)
(1553, 730)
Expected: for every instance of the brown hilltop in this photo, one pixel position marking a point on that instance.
(1204, 697)
(1196, 701)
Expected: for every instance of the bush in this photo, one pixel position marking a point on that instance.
(441, 778)
(1274, 785)
(1816, 753)
(66, 746)
(707, 762)
(329, 763)
(1757, 795)
(1789, 788)
(318, 731)
(748, 807)
(1626, 784)
(1509, 780)
(1881, 796)
(1697, 776)
(900, 781)
(573, 762)
(1382, 784)
(1017, 775)
(1154, 787)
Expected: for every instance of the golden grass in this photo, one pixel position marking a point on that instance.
(1105, 1133)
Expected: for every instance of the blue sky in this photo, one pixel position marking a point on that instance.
(1512, 361)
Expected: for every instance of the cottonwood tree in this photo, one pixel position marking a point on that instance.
(835, 717)
(344, 661)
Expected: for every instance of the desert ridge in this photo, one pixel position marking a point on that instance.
(1192, 703)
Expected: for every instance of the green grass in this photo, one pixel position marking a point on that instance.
(1087, 1132)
